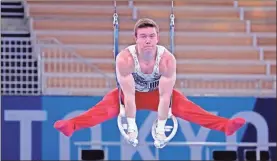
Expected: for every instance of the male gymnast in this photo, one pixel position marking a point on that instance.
(146, 73)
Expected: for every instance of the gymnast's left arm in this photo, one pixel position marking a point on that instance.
(167, 69)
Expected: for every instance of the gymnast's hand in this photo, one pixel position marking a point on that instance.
(124, 69)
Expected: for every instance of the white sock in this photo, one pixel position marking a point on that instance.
(161, 125)
(131, 123)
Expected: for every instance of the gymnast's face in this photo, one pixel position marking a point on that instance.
(147, 39)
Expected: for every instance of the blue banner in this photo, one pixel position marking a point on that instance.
(21, 118)
(28, 133)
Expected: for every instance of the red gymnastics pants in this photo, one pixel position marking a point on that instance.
(108, 108)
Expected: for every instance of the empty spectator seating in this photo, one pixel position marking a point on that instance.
(218, 44)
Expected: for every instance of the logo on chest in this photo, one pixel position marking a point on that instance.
(147, 81)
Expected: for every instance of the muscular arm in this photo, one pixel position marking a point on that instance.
(167, 82)
(124, 68)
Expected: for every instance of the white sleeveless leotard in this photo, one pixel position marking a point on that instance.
(146, 82)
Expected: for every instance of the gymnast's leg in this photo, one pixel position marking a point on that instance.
(106, 109)
(187, 110)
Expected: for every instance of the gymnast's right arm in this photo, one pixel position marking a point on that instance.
(124, 69)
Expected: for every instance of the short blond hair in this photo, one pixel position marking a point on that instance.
(144, 23)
